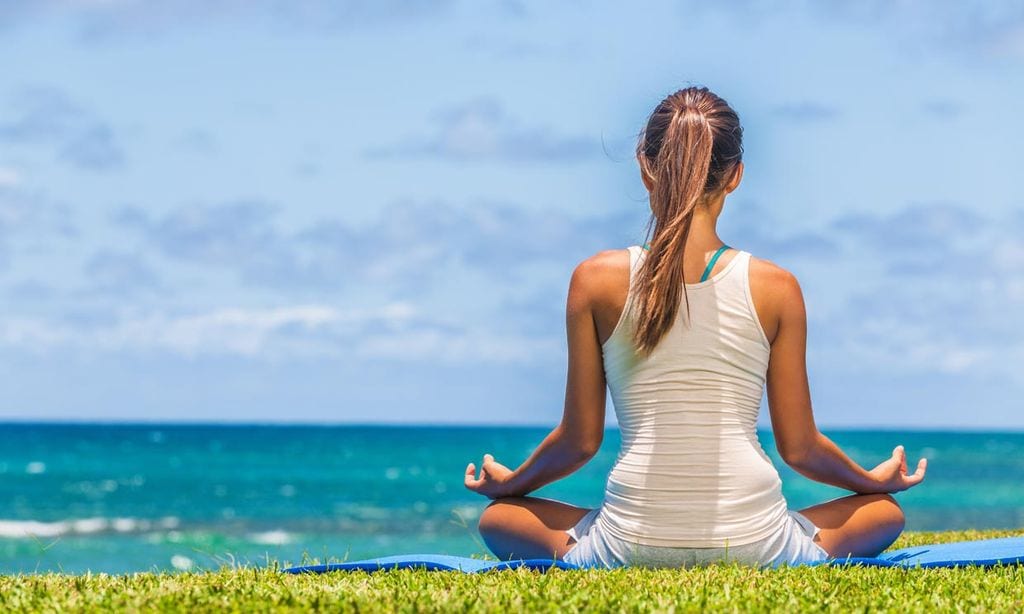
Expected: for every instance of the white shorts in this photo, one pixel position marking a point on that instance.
(792, 544)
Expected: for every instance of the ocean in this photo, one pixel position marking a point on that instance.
(126, 498)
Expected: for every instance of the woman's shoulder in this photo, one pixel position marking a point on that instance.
(605, 261)
(603, 275)
(770, 273)
(776, 293)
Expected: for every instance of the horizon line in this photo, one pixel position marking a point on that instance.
(15, 421)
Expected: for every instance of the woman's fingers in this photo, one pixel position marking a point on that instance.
(900, 454)
(471, 481)
(917, 477)
(489, 467)
(922, 467)
(486, 474)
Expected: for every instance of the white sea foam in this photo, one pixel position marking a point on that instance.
(86, 526)
(127, 525)
(27, 529)
(272, 538)
(466, 512)
(182, 563)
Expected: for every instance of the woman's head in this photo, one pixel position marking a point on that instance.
(689, 153)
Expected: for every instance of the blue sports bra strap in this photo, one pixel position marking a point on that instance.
(711, 264)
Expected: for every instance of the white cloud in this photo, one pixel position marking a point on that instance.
(233, 331)
(465, 346)
(895, 345)
(228, 331)
(392, 331)
(937, 291)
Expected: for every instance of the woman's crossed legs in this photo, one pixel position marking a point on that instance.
(533, 527)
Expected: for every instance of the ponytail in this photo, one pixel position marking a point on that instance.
(680, 151)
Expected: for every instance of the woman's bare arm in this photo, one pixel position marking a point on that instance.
(577, 438)
(799, 442)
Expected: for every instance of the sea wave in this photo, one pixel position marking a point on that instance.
(27, 529)
(272, 538)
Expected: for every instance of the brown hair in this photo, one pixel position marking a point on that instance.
(689, 148)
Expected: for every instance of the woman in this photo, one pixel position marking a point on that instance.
(686, 364)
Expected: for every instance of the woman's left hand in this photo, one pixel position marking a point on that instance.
(494, 480)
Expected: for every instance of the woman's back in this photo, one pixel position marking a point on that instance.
(691, 472)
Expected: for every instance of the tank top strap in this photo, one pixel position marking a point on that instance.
(744, 264)
(736, 271)
(634, 256)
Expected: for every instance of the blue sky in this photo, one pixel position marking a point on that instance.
(369, 211)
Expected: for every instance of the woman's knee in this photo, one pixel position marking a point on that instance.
(887, 509)
(894, 512)
(494, 515)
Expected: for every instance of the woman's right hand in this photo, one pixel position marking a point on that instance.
(891, 475)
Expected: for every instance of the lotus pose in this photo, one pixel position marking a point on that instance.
(686, 364)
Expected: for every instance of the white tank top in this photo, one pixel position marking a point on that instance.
(691, 472)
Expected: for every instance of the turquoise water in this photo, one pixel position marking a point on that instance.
(119, 498)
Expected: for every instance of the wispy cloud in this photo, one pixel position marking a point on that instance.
(27, 217)
(227, 234)
(394, 332)
(480, 130)
(929, 240)
(923, 289)
(49, 117)
(926, 289)
(407, 246)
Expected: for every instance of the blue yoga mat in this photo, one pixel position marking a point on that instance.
(432, 562)
(981, 553)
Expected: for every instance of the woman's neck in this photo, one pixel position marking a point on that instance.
(703, 230)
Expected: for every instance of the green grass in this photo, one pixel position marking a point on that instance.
(718, 587)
